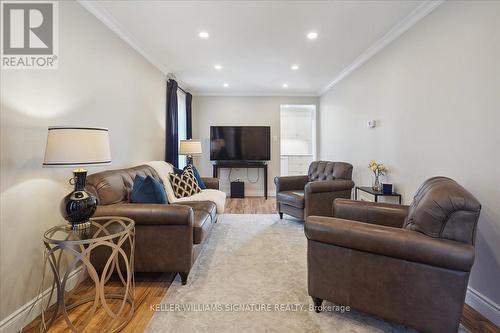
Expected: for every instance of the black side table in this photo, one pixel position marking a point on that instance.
(376, 194)
(243, 165)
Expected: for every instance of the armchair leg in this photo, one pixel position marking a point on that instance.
(281, 215)
(184, 278)
(317, 304)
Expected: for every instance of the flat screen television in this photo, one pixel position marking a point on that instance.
(240, 143)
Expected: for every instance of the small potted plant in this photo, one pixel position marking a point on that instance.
(378, 170)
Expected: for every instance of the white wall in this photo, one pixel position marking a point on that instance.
(101, 81)
(236, 111)
(435, 93)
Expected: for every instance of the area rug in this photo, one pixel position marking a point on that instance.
(252, 277)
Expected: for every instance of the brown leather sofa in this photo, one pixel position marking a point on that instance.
(409, 265)
(168, 237)
(302, 196)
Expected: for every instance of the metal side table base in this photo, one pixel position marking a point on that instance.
(101, 252)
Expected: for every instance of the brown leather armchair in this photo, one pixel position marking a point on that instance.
(302, 196)
(410, 265)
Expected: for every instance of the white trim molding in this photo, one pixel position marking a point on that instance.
(25, 314)
(406, 23)
(255, 94)
(105, 17)
(425, 8)
(483, 305)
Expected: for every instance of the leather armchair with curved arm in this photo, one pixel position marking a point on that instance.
(302, 196)
(407, 264)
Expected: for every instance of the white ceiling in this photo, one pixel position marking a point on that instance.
(256, 42)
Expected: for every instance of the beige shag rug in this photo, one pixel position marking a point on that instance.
(252, 277)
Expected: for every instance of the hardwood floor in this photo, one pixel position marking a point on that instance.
(151, 288)
(476, 322)
(251, 205)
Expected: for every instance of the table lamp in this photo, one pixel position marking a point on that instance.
(190, 148)
(77, 146)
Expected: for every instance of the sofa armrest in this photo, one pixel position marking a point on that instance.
(289, 183)
(211, 183)
(149, 214)
(398, 243)
(328, 186)
(390, 215)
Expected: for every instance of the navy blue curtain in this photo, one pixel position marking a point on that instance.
(172, 133)
(189, 119)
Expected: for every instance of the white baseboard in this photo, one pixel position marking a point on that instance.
(483, 305)
(22, 316)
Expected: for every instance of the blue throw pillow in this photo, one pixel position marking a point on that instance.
(178, 171)
(200, 182)
(147, 190)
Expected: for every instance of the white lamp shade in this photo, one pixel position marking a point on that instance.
(190, 147)
(75, 146)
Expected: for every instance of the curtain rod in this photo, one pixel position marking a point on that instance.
(178, 86)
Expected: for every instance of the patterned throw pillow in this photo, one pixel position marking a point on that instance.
(185, 184)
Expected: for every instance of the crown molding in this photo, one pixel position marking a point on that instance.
(253, 94)
(105, 17)
(406, 23)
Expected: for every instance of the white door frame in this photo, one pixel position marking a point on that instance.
(314, 109)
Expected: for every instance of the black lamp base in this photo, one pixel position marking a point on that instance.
(78, 206)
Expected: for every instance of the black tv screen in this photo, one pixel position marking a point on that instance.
(240, 143)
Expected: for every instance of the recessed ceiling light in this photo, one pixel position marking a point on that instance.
(204, 35)
(285, 85)
(294, 67)
(218, 67)
(312, 35)
(226, 85)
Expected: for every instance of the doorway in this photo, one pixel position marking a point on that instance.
(297, 138)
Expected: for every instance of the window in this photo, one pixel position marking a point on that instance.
(181, 123)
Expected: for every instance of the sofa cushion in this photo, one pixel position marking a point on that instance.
(114, 186)
(199, 180)
(292, 198)
(184, 185)
(206, 206)
(147, 190)
(163, 169)
(215, 196)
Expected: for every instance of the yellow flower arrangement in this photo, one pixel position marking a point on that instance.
(376, 168)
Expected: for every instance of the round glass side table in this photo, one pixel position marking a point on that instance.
(92, 268)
